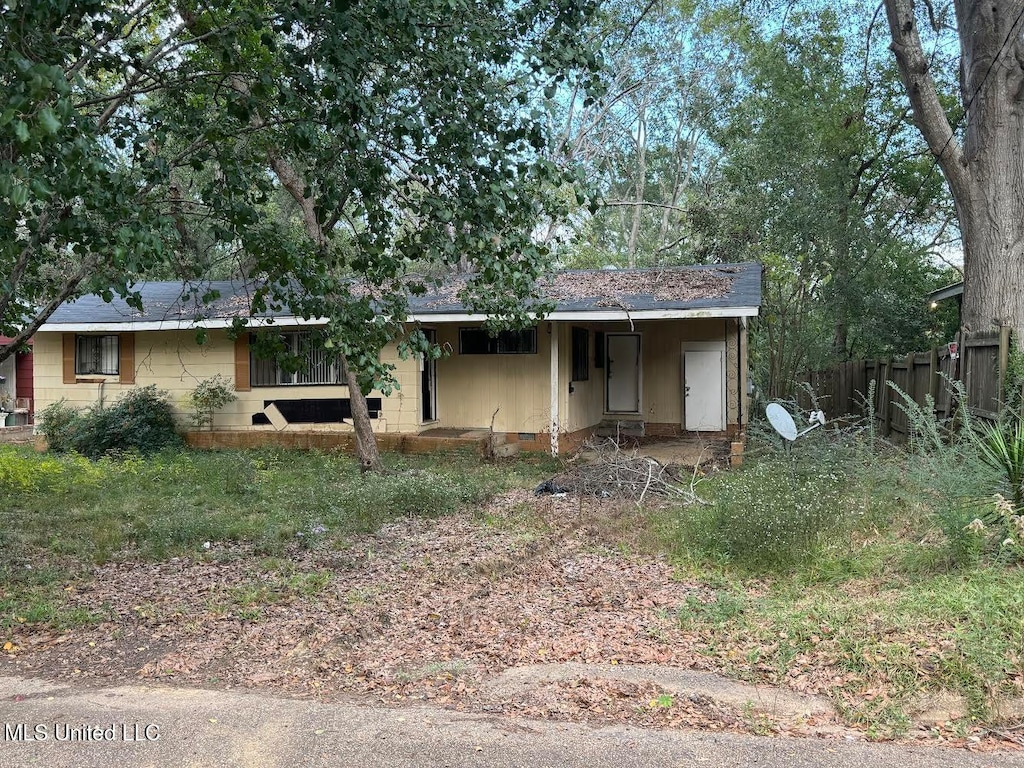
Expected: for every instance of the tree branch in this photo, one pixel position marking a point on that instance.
(929, 116)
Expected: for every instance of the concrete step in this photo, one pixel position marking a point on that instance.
(620, 428)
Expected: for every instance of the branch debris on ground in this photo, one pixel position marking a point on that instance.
(608, 471)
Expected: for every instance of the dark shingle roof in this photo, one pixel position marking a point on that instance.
(587, 290)
(720, 286)
(165, 302)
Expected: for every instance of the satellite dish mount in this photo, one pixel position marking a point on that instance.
(786, 427)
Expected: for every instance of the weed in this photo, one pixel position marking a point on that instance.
(773, 513)
(725, 606)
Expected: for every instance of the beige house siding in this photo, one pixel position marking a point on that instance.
(471, 387)
(173, 361)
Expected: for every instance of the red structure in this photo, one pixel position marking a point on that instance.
(23, 386)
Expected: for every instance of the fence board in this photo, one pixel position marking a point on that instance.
(842, 389)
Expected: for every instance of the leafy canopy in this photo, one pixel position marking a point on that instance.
(296, 144)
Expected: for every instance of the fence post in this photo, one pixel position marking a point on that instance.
(933, 378)
(887, 399)
(1004, 362)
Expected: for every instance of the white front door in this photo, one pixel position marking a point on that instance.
(622, 373)
(704, 386)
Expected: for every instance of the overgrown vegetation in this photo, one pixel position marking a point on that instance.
(209, 396)
(841, 564)
(141, 421)
(875, 573)
(54, 507)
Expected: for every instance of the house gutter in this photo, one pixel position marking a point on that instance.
(421, 317)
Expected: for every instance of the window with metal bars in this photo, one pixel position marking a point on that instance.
(97, 355)
(477, 341)
(305, 362)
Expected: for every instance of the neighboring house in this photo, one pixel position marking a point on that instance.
(662, 350)
(16, 385)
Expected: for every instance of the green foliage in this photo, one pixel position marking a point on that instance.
(58, 423)
(1002, 448)
(778, 140)
(141, 421)
(69, 506)
(22, 473)
(776, 514)
(998, 525)
(129, 157)
(208, 397)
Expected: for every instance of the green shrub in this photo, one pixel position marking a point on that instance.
(142, 421)
(209, 396)
(777, 513)
(59, 423)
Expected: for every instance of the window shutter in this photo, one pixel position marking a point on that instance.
(68, 343)
(126, 361)
(242, 383)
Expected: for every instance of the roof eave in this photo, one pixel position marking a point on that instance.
(598, 315)
(587, 315)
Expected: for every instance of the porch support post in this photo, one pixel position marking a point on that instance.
(554, 388)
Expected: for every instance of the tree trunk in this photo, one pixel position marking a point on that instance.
(986, 175)
(366, 442)
(641, 186)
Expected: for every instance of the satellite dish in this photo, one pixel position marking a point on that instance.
(781, 420)
(784, 424)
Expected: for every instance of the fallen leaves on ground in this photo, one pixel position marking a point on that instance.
(423, 610)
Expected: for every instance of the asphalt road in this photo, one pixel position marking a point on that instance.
(161, 727)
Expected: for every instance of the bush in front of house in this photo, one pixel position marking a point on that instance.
(58, 423)
(141, 421)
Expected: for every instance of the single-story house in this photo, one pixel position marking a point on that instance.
(663, 351)
(16, 386)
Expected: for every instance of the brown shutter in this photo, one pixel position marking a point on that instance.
(242, 382)
(126, 351)
(68, 342)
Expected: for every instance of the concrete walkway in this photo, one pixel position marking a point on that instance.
(155, 726)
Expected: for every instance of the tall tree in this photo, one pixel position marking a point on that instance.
(821, 181)
(639, 143)
(400, 131)
(981, 153)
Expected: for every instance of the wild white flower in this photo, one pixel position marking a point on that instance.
(1004, 505)
(975, 526)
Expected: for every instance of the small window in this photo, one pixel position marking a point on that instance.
(311, 363)
(580, 354)
(477, 341)
(97, 355)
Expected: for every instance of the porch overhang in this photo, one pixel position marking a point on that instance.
(598, 315)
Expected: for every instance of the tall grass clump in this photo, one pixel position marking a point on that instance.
(776, 512)
(974, 473)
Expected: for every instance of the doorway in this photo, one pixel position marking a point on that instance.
(622, 372)
(428, 381)
(704, 386)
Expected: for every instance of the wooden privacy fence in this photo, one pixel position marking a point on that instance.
(980, 364)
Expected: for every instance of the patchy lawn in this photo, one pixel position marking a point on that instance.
(291, 572)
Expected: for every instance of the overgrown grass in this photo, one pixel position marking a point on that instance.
(62, 514)
(849, 567)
